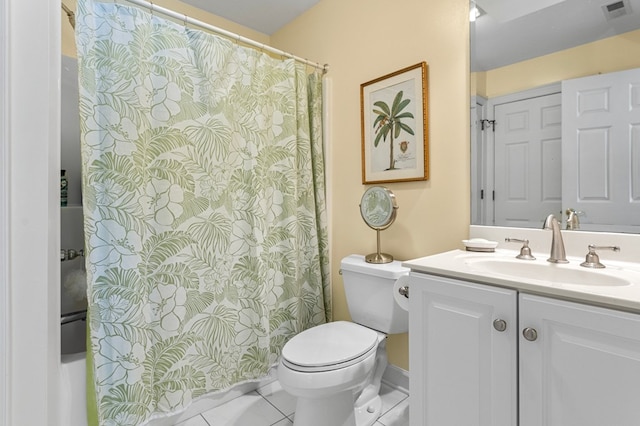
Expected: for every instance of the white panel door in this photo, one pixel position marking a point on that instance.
(528, 161)
(583, 368)
(601, 149)
(463, 369)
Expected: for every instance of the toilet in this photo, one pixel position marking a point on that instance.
(335, 369)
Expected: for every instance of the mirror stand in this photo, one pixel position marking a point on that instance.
(378, 257)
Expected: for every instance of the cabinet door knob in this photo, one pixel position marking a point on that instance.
(500, 324)
(530, 334)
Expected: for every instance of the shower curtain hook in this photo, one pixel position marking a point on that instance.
(185, 21)
(151, 3)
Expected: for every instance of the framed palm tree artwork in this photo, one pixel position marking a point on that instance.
(395, 136)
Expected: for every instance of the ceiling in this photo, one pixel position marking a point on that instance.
(265, 16)
(511, 30)
(503, 39)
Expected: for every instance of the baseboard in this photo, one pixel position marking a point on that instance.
(397, 378)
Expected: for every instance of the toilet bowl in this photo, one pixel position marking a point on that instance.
(335, 369)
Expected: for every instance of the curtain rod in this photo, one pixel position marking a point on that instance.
(188, 20)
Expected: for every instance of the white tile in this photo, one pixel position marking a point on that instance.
(250, 409)
(277, 396)
(390, 397)
(194, 421)
(397, 416)
(284, 422)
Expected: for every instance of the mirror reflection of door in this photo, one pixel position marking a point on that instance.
(479, 200)
(601, 140)
(527, 146)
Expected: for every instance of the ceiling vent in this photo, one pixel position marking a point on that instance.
(616, 9)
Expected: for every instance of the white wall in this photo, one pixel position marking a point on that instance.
(32, 136)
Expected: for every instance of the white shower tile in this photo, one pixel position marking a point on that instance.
(250, 409)
(277, 396)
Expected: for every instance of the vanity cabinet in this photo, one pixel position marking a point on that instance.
(489, 356)
(583, 368)
(463, 367)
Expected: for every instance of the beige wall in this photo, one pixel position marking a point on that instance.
(611, 54)
(362, 40)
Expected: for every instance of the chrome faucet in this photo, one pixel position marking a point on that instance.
(573, 222)
(558, 254)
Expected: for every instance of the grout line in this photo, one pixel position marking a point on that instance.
(287, 417)
(284, 416)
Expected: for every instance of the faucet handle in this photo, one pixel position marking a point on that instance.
(525, 251)
(592, 260)
(573, 222)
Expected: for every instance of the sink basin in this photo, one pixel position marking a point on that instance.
(564, 274)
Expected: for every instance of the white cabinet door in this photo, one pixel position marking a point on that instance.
(463, 370)
(583, 369)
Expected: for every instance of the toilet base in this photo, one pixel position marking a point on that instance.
(367, 415)
(334, 410)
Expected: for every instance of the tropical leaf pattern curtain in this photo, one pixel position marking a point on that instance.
(204, 203)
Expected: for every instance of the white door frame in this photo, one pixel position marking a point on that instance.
(30, 211)
(4, 222)
(478, 162)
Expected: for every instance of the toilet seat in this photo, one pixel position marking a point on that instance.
(330, 346)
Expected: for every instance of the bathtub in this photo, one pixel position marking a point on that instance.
(73, 340)
(74, 402)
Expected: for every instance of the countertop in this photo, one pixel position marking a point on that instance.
(459, 264)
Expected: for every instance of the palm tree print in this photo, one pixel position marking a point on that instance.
(389, 123)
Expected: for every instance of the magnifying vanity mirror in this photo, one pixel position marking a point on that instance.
(530, 158)
(378, 209)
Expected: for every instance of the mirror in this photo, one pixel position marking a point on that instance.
(378, 209)
(518, 46)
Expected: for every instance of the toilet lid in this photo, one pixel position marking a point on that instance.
(329, 346)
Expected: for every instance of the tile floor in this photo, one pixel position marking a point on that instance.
(272, 406)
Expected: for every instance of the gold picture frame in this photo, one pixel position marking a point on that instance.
(395, 130)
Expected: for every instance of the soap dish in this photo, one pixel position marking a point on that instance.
(480, 245)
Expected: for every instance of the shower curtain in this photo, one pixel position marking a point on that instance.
(204, 204)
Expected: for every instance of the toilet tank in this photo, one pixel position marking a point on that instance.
(369, 291)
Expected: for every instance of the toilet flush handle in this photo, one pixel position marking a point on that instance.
(404, 291)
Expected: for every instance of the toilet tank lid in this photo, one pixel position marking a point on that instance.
(356, 263)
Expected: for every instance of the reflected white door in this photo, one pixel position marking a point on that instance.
(601, 148)
(528, 160)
